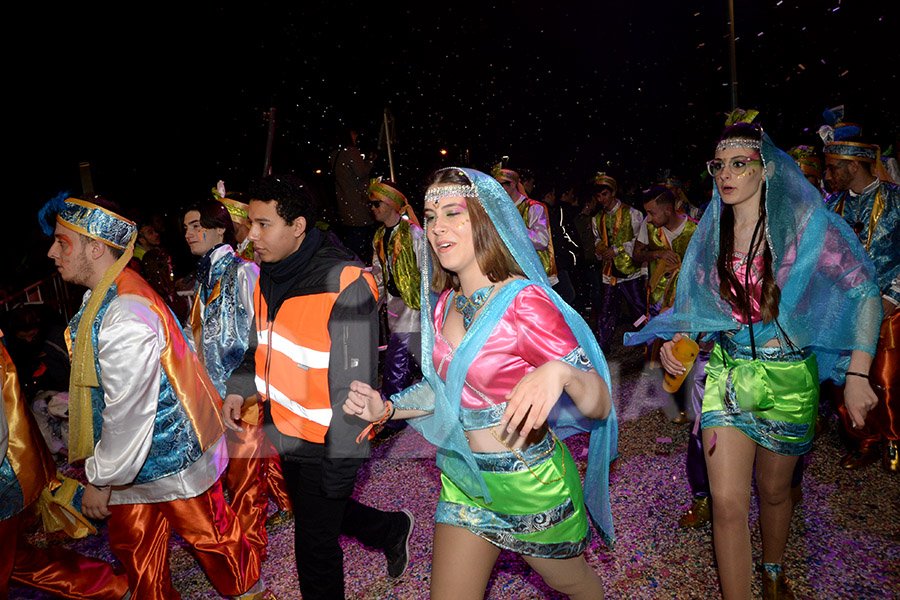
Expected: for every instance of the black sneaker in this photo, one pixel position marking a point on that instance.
(397, 553)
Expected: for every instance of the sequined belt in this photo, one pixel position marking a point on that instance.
(520, 460)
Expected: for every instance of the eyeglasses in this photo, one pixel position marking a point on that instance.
(738, 165)
(375, 203)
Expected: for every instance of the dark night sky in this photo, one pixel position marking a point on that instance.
(163, 102)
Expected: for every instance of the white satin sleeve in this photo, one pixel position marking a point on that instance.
(129, 345)
(538, 227)
(248, 276)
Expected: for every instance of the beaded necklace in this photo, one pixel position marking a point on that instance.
(467, 307)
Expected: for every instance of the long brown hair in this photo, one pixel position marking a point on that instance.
(493, 258)
(728, 281)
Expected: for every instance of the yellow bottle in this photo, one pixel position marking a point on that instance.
(685, 350)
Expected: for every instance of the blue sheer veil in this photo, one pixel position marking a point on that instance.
(829, 297)
(443, 429)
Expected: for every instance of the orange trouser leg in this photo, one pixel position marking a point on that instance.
(206, 523)
(57, 571)
(884, 420)
(277, 486)
(139, 537)
(245, 479)
(210, 527)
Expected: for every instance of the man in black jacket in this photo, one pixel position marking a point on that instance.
(316, 331)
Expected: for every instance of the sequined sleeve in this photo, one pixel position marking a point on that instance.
(416, 397)
(578, 359)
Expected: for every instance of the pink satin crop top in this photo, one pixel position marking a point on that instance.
(531, 332)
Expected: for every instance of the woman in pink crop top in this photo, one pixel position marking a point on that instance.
(499, 354)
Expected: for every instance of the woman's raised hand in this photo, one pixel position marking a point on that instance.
(364, 402)
(531, 400)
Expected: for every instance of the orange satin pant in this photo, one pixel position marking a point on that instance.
(277, 486)
(139, 536)
(882, 422)
(254, 474)
(57, 571)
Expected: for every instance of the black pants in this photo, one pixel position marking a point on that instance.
(318, 523)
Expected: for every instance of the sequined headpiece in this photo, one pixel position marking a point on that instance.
(436, 193)
(96, 222)
(739, 143)
(604, 179)
(739, 115)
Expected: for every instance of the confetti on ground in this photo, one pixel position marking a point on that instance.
(844, 541)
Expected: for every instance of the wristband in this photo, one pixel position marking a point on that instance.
(855, 374)
(388, 413)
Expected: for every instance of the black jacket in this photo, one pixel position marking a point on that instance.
(353, 329)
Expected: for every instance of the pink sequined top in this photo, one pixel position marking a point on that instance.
(530, 333)
(740, 270)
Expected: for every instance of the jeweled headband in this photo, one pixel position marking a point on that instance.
(96, 222)
(741, 142)
(438, 192)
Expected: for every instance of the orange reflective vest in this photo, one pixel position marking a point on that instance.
(292, 358)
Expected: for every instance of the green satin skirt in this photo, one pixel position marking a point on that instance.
(537, 506)
(773, 399)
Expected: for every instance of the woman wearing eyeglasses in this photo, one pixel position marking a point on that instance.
(786, 291)
(509, 369)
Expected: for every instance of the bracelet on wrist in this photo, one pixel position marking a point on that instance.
(388, 413)
(855, 374)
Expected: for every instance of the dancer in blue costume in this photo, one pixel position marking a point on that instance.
(537, 374)
(866, 199)
(788, 294)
